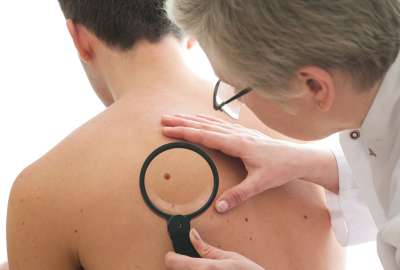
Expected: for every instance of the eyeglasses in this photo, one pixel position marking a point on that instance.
(226, 99)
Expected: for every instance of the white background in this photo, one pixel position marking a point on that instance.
(44, 95)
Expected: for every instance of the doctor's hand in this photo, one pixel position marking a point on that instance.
(212, 258)
(269, 162)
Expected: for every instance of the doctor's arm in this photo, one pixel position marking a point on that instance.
(350, 217)
(388, 243)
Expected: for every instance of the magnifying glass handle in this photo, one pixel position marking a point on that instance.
(179, 230)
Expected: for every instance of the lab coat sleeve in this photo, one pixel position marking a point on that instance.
(389, 244)
(351, 219)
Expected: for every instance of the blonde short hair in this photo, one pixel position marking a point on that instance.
(267, 41)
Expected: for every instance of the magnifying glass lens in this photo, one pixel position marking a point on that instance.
(179, 181)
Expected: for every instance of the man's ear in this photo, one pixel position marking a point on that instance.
(81, 39)
(319, 84)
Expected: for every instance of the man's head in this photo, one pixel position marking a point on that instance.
(295, 48)
(116, 25)
(121, 23)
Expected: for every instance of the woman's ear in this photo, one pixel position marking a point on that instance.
(81, 39)
(319, 84)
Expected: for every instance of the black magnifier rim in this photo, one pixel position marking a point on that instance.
(178, 145)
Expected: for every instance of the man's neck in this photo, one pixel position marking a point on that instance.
(148, 66)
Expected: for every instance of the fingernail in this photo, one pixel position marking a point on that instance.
(222, 206)
(196, 235)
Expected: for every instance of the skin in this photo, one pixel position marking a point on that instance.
(3, 266)
(79, 206)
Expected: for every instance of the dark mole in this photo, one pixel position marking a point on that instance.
(23, 223)
(305, 217)
(167, 176)
(246, 219)
(251, 239)
(76, 231)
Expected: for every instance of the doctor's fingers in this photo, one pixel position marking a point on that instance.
(175, 261)
(212, 119)
(217, 121)
(193, 122)
(206, 118)
(226, 143)
(234, 128)
(213, 124)
(208, 121)
(248, 188)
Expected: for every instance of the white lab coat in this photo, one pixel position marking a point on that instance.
(368, 204)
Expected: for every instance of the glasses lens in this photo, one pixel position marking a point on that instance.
(225, 92)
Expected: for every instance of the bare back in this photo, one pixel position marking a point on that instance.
(80, 205)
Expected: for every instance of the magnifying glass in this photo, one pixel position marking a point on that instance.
(179, 181)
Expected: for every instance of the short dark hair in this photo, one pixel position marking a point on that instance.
(121, 23)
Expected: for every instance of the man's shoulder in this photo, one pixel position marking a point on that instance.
(42, 178)
(109, 146)
(46, 196)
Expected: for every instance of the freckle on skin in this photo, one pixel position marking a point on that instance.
(167, 176)
(305, 217)
(81, 211)
(246, 219)
(251, 238)
(76, 231)
(23, 223)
